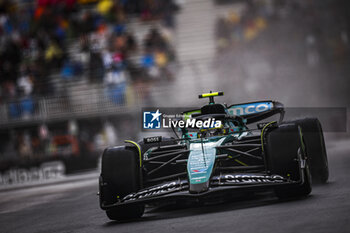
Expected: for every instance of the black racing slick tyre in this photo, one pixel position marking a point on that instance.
(285, 152)
(120, 176)
(315, 149)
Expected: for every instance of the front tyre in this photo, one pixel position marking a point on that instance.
(315, 149)
(286, 157)
(120, 176)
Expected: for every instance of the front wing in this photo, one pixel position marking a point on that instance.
(223, 183)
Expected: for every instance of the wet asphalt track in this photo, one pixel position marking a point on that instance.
(74, 208)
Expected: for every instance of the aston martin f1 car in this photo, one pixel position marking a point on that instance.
(212, 160)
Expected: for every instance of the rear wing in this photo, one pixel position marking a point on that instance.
(251, 112)
(257, 111)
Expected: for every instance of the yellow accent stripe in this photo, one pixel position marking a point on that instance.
(138, 147)
(240, 162)
(262, 134)
(210, 94)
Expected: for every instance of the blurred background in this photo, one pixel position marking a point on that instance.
(75, 74)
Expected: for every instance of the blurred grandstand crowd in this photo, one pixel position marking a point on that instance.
(300, 46)
(324, 25)
(45, 40)
(80, 39)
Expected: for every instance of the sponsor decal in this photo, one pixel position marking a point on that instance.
(154, 191)
(252, 108)
(199, 170)
(152, 139)
(253, 179)
(46, 171)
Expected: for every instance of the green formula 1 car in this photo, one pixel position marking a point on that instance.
(216, 159)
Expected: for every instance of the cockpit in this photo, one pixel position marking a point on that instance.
(214, 125)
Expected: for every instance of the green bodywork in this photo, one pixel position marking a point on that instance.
(203, 151)
(201, 159)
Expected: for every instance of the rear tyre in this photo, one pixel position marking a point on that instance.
(120, 176)
(285, 151)
(315, 149)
